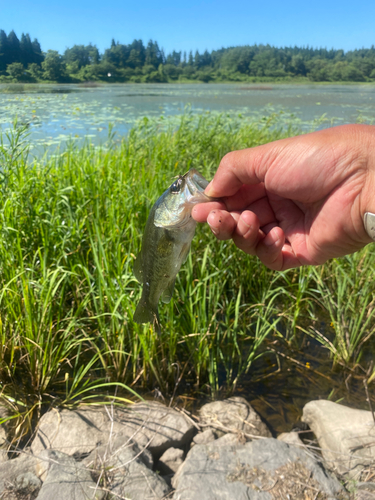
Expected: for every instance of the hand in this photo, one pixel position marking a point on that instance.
(296, 201)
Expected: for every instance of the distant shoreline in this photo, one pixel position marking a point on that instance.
(250, 85)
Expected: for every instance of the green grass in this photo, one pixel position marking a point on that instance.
(71, 225)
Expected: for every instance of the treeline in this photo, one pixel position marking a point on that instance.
(22, 60)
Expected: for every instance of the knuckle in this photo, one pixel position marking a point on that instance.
(228, 160)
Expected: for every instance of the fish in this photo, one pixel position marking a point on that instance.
(166, 243)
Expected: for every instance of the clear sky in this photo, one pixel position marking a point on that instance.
(193, 24)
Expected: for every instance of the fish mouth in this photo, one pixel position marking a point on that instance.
(177, 215)
(196, 185)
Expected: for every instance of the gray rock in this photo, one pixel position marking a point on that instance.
(19, 477)
(126, 474)
(229, 439)
(170, 461)
(78, 432)
(233, 415)
(364, 495)
(290, 438)
(101, 455)
(204, 437)
(65, 479)
(262, 469)
(346, 436)
(4, 414)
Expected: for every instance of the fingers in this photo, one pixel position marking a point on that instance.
(247, 233)
(222, 223)
(269, 249)
(268, 243)
(201, 210)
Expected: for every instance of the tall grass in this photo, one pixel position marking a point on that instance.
(70, 227)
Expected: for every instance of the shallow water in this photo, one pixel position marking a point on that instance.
(283, 380)
(57, 113)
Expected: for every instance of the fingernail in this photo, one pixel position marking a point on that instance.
(213, 229)
(209, 191)
(270, 240)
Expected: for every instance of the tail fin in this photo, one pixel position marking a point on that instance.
(145, 313)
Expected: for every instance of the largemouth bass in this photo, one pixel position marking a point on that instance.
(166, 242)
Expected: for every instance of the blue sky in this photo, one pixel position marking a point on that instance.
(193, 24)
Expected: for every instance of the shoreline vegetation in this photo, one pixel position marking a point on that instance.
(70, 230)
(23, 61)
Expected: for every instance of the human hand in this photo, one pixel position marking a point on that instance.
(296, 201)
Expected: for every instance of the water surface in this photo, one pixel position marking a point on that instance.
(59, 112)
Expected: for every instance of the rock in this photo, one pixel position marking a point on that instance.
(78, 432)
(364, 495)
(102, 454)
(230, 439)
(65, 478)
(204, 437)
(18, 478)
(262, 469)
(233, 415)
(4, 414)
(346, 436)
(170, 461)
(290, 438)
(126, 474)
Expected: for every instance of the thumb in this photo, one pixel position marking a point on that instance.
(246, 166)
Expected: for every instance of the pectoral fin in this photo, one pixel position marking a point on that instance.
(168, 292)
(137, 268)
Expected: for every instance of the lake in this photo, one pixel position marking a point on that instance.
(57, 113)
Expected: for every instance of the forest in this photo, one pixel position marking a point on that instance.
(23, 60)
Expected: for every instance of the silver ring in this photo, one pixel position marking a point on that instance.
(369, 223)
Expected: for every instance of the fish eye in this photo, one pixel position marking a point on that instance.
(176, 186)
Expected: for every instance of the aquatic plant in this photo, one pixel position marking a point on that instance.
(71, 226)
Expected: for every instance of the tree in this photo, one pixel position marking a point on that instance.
(16, 71)
(38, 55)
(4, 61)
(26, 50)
(81, 55)
(53, 66)
(14, 49)
(153, 55)
(174, 58)
(34, 71)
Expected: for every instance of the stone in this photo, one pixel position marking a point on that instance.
(126, 473)
(170, 461)
(345, 436)
(290, 438)
(18, 477)
(78, 432)
(204, 437)
(233, 415)
(263, 469)
(364, 495)
(4, 414)
(100, 456)
(65, 479)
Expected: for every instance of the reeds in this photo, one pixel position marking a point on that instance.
(71, 225)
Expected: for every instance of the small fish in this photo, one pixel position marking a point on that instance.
(166, 243)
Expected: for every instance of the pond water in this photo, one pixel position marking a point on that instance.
(57, 113)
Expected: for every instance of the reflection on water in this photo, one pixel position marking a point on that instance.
(282, 381)
(59, 112)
